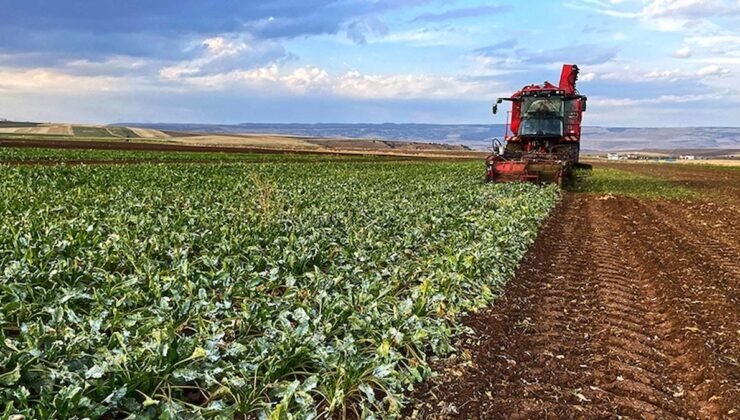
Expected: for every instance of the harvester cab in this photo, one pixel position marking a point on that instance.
(543, 132)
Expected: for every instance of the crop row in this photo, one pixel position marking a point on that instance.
(275, 290)
(44, 155)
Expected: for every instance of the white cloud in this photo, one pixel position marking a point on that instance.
(428, 37)
(218, 55)
(307, 78)
(716, 40)
(663, 15)
(216, 48)
(351, 84)
(109, 64)
(587, 77)
(673, 75)
(269, 79)
(220, 46)
(684, 52)
(713, 70)
(620, 36)
(685, 9)
(630, 75)
(178, 71)
(730, 59)
(45, 80)
(357, 85)
(299, 80)
(660, 100)
(721, 56)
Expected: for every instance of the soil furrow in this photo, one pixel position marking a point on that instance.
(716, 255)
(599, 323)
(712, 313)
(698, 220)
(625, 268)
(690, 361)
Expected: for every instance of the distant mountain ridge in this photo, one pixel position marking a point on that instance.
(478, 136)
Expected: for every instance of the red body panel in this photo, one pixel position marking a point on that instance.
(568, 79)
(516, 112)
(542, 169)
(543, 158)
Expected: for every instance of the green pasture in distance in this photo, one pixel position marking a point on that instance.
(627, 183)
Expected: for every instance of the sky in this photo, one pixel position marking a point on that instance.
(643, 63)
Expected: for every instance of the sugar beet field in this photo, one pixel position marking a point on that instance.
(267, 290)
(212, 285)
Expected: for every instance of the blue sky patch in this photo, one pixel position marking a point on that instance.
(643, 62)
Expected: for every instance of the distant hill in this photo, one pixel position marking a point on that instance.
(607, 139)
(473, 135)
(478, 136)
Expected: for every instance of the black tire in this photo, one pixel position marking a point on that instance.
(513, 150)
(569, 152)
(575, 152)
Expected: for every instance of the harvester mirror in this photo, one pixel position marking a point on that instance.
(495, 106)
(583, 104)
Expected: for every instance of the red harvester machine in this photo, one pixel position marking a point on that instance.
(543, 133)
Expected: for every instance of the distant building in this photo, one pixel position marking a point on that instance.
(613, 156)
(687, 157)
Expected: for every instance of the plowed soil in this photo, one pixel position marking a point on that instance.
(624, 307)
(710, 179)
(275, 148)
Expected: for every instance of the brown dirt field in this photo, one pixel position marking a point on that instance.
(168, 146)
(719, 183)
(60, 129)
(366, 144)
(147, 133)
(342, 146)
(717, 162)
(24, 130)
(623, 307)
(46, 129)
(244, 141)
(122, 145)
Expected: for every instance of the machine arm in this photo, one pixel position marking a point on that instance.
(568, 78)
(500, 100)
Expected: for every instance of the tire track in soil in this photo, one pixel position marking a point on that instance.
(696, 282)
(718, 251)
(646, 367)
(590, 328)
(541, 313)
(722, 221)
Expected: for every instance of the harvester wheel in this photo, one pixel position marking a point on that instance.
(568, 152)
(513, 150)
(575, 152)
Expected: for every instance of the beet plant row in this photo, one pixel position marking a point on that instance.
(268, 290)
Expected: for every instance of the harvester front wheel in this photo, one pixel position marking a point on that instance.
(513, 150)
(569, 152)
